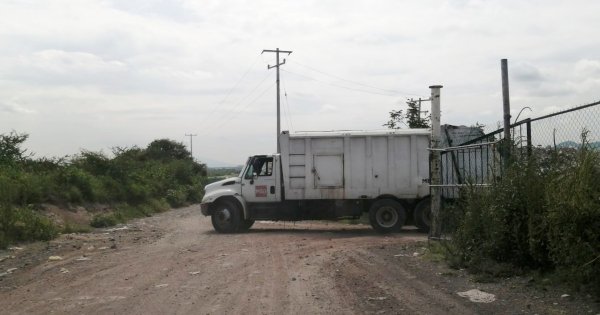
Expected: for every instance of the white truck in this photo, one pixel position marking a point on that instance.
(329, 175)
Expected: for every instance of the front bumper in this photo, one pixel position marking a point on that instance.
(204, 207)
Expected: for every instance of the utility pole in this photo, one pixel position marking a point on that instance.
(277, 64)
(191, 144)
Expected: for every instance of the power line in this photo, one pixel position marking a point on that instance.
(241, 109)
(214, 108)
(339, 86)
(223, 116)
(287, 104)
(351, 81)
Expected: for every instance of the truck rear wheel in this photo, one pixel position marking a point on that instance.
(247, 224)
(387, 215)
(227, 217)
(422, 214)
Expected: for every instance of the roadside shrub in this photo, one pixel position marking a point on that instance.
(137, 192)
(83, 181)
(75, 228)
(544, 213)
(176, 197)
(139, 181)
(497, 223)
(103, 220)
(95, 163)
(573, 219)
(126, 212)
(158, 205)
(10, 148)
(195, 193)
(24, 224)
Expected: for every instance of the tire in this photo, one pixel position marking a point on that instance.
(247, 224)
(227, 217)
(387, 215)
(422, 214)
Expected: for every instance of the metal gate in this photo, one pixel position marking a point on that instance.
(476, 165)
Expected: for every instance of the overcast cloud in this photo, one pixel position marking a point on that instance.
(95, 74)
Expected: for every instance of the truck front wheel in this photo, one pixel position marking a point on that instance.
(227, 217)
(387, 215)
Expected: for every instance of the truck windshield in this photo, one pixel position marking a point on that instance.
(244, 168)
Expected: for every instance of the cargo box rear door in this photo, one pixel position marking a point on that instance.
(328, 171)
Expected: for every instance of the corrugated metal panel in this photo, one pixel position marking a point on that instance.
(356, 165)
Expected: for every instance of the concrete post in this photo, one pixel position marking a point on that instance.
(506, 111)
(505, 98)
(435, 232)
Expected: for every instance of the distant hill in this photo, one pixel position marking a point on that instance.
(224, 171)
(216, 163)
(575, 145)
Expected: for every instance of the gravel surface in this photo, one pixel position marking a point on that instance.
(174, 263)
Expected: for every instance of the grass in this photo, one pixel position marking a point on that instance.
(75, 228)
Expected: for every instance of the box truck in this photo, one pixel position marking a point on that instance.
(328, 176)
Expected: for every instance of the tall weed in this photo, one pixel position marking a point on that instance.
(544, 213)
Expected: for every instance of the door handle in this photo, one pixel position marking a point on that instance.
(272, 189)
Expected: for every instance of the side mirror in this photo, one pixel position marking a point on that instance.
(254, 176)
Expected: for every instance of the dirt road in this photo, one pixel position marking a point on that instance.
(174, 263)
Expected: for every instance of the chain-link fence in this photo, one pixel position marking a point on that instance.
(564, 129)
(477, 162)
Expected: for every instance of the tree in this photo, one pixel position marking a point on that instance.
(396, 119)
(412, 116)
(10, 147)
(164, 149)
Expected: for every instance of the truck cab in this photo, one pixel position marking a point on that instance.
(227, 201)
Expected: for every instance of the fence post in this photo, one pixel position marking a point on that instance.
(529, 147)
(435, 156)
(505, 98)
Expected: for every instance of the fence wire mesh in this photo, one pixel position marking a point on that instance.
(564, 129)
(478, 162)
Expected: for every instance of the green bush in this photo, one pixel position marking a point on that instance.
(158, 205)
(177, 197)
(544, 213)
(139, 181)
(24, 224)
(75, 228)
(104, 220)
(573, 219)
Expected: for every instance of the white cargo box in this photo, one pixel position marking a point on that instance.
(355, 164)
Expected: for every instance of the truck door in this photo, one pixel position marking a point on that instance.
(259, 183)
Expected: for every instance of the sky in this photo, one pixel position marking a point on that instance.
(96, 74)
